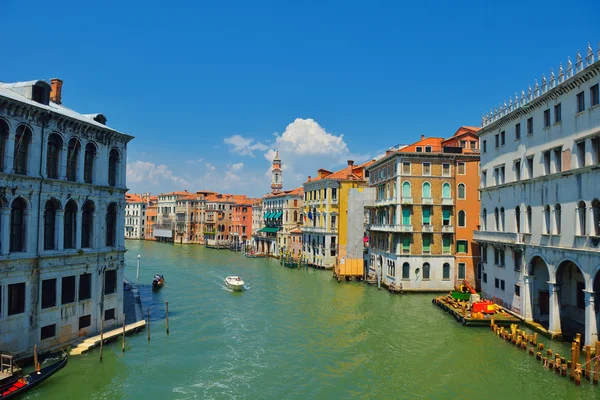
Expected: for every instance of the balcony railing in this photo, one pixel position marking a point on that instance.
(407, 200)
(447, 229)
(407, 228)
(316, 229)
(447, 202)
(384, 202)
(385, 227)
(427, 228)
(499, 237)
(427, 200)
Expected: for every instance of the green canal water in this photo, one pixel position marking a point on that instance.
(296, 334)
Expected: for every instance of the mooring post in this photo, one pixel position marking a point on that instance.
(573, 361)
(167, 305)
(596, 364)
(36, 365)
(148, 313)
(123, 345)
(138, 267)
(101, 337)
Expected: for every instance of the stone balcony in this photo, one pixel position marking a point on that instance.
(406, 200)
(447, 202)
(427, 200)
(385, 227)
(498, 237)
(447, 229)
(427, 228)
(385, 202)
(313, 229)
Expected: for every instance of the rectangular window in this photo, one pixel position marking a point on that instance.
(109, 314)
(497, 283)
(484, 277)
(427, 149)
(446, 244)
(483, 178)
(558, 159)
(557, 113)
(497, 137)
(419, 149)
(445, 169)
(426, 169)
(85, 321)
(547, 162)
(426, 215)
(502, 174)
(484, 146)
(110, 281)
(462, 271)
(68, 290)
(581, 102)
(406, 244)
(446, 216)
(426, 243)
(16, 298)
(406, 168)
(48, 293)
(594, 96)
(546, 118)
(461, 246)
(530, 167)
(518, 170)
(502, 138)
(581, 154)
(517, 131)
(484, 254)
(462, 143)
(530, 126)
(502, 283)
(460, 168)
(333, 193)
(517, 290)
(48, 332)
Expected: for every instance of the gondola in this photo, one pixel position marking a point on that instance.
(19, 385)
(158, 282)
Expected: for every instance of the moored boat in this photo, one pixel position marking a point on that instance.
(234, 283)
(17, 385)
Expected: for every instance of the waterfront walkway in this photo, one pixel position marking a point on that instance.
(134, 322)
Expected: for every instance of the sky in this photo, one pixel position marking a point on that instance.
(211, 89)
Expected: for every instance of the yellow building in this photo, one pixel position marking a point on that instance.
(326, 225)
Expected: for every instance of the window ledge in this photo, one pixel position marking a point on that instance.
(557, 123)
(594, 106)
(446, 279)
(427, 279)
(406, 279)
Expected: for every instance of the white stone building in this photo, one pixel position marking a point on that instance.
(164, 229)
(62, 199)
(540, 208)
(135, 216)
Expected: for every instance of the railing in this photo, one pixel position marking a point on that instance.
(427, 200)
(501, 237)
(407, 228)
(447, 202)
(407, 200)
(384, 202)
(447, 229)
(385, 227)
(427, 228)
(313, 229)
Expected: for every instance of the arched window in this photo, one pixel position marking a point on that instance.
(88, 167)
(596, 217)
(295, 216)
(22, 140)
(502, 220)
(111, 225)
(406, 189)
(496, 219)
(87, 224)
(406, 271)
(17, 225)
(518, 219)
(446, 271)
(72, 157)
(462, 219)
(50, 225)
(3, 140)
(70, 225)
(529, 219)
(426, 190)
(53, 156)
(547, 224)
(557, 219)
(446, 190)
(484, 220)
(582, 216)
(461, 191)
(426, 271)
(113, 166)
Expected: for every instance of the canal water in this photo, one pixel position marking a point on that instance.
(296, 334)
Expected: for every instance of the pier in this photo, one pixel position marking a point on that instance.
(460, 310)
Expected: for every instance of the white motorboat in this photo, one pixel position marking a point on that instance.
(234, 283)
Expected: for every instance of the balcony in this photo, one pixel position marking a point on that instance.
(427, 228)
(384, 202)
(427, 200)
(407, 228)
(313, 229)
(498, 237)
(407, 200)
(385, 227)
(334, 202)
(447, 229)
(447, 202)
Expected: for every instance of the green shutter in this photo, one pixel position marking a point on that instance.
(405, 216)
(461, 246)
(426, 242)
(446, 244)
(406, 243)
(426, 215)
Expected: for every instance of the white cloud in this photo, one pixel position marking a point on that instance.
(235, 167)
(306, 136)
(191, 162)
(244, 146)
(210, 167)
(145, 173)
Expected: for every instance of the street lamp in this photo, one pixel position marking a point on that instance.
(138, 267)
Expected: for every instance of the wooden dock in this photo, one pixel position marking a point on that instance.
(89, 343)
(460, 310)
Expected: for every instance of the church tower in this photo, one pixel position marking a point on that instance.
(276, 179)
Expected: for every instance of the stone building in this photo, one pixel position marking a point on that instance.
(241, 221)
(426, 207)
(135, 215)
(540, 208)
(165, 226)
(151, 216)
(62, 199)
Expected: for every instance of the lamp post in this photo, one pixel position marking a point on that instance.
(138, 267)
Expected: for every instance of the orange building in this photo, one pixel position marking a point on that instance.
(151, 214)
(241, 221)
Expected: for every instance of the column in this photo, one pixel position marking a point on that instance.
(62, 169)
(591, 327)
(554, 320)
(78, 228)
(5, 223)
(97, 238)
(80, 161)
(527, 309)
(589, 152)
(122, 173)
(120, 240)
(59, 229)
(10, 153)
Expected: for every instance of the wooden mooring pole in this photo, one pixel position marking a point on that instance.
(596, 364)
(148, 323)
(101, 337)
(36, 365)
(123, 344)
(167, 305)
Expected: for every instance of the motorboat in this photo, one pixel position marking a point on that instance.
(234, 283)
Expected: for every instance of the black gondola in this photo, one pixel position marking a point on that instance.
(158, 282)
(19, 385)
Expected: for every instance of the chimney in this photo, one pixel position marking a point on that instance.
(56, 93)
(309, 178)
(350, 163)
(422, 137)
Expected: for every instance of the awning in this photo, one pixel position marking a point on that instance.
(277, 215)
(269, 229)
(266, 215)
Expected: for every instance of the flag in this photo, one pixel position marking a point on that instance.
(309, 215)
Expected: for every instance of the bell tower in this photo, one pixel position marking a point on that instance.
(276, 179)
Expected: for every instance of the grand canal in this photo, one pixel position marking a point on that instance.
(296, 334)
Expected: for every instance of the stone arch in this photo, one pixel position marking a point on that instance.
(540, 274)
(571, 281)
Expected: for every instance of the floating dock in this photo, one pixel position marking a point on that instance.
(460, 310)
(89, 343)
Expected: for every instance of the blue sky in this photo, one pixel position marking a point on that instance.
(209, 89)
